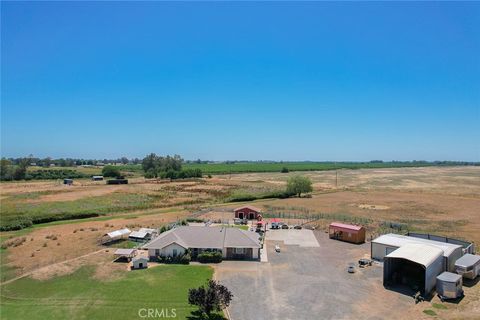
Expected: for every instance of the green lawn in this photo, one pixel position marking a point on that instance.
(79, 296)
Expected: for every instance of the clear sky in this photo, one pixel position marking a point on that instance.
(218, 81)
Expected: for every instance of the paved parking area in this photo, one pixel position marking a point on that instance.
(302, 238)
(309, 283)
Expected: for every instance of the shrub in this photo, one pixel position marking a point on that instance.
(110, 171)
(210, 257)
(180, 259)
(284, 170)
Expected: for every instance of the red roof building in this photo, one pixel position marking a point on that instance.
(347, 232)
(247, 212)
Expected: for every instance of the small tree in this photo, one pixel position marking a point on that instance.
(110, 171)
(298, 185)
(284, 170)
(212, 298)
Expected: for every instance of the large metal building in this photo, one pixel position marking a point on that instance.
(413, 265)
(388, 243)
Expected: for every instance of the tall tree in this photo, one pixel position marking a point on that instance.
(298, 185)
(212, 298)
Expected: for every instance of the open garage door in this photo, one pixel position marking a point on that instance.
(413, 266)
(402, 272)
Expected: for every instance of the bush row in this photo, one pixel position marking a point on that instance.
(210, 257)
(172, 174)
(251, 197)
(21, 222)
(54, 174)
(181, 259)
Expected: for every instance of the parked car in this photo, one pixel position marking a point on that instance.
(284, 226)
(297, 227)
(277, 248)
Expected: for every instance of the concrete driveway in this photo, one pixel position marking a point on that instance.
(309, 283)
(302, 238)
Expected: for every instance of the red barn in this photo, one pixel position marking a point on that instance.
(347, 232)
(247, 212)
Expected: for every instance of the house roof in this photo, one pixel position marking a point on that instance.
(419, 253)
(398, 240)
(139, 258)
(138, 234)
(206, 237)
(146, 230)
(345, 226)
(125, 252)
(449, 277)
(118, 233)
(467, 260)
(247, 207)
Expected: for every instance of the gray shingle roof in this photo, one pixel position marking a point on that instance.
(206, 237)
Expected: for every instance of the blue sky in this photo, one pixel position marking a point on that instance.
(278, 81)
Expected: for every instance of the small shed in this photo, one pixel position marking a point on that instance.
(68, 182)
(125, 253)
(139, 263)
(97, 178)
(468, 266)
(142, 234)
(449, 285)
(347, 232)
(247, 212)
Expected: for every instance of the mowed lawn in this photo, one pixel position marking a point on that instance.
(81, 296)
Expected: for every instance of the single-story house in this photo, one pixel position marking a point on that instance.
(247, 212)
(139, 263)
(231, 242)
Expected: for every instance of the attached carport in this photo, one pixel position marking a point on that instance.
(415, 266)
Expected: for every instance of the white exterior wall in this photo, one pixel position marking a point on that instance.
(454, 256)
(379, 251)
(168, 250)
(431, 273)
(255, 253)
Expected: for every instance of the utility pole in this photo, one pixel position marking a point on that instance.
(336, 176)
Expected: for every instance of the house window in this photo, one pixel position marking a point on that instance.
(157, 252)
(174, 252)
(239, 251)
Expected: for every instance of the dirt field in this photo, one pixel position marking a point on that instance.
(443, 201)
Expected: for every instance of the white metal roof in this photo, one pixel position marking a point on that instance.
(398, 240)
(146, 230)
(138, 234)
(118, 233)
(449, 277)
(467, 260)
(419, 253)
(125, 252)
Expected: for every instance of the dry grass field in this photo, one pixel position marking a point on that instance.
(443, 201)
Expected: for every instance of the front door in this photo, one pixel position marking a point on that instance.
(240, 215)
(140, 265)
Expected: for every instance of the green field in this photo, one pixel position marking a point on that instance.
(20, 214)
(245, 167)
(80, 296)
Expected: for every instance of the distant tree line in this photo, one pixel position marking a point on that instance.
(167, 167)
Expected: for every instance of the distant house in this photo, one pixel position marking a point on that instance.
(247, 212)
(232, 242)
(97, 178)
